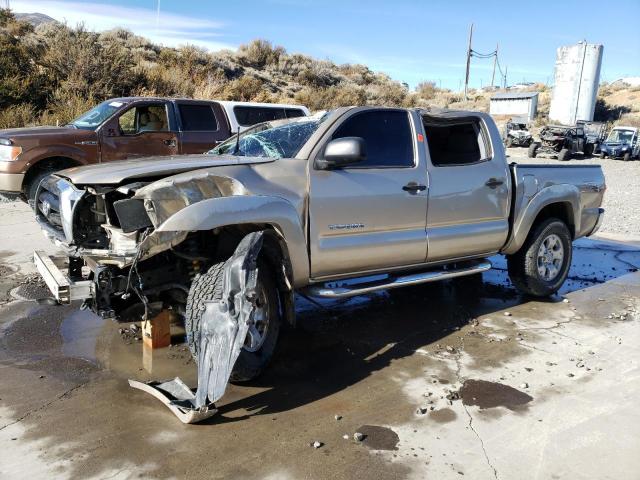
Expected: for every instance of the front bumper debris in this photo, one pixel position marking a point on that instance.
(63, 289)
(178, 398)
(223, 330)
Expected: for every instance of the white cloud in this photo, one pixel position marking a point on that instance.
(166, 28)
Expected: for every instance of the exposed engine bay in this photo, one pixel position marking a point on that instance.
(112, 239)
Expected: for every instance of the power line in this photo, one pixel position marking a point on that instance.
(471, 53)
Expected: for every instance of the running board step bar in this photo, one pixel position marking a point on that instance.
(342, 290)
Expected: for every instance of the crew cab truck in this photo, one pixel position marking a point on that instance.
(381, 197)
(124, 128)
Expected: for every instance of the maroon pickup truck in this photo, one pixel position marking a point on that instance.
(125, 128)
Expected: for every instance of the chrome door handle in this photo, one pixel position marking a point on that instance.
(414, 187)
(169, 143)
(494, 182)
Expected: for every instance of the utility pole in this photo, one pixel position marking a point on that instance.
(495, 59)
(505, 76)
(466, 79)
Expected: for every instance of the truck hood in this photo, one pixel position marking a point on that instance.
(114, 173)
(17, 134)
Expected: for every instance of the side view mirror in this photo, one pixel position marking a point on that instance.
(342, 152)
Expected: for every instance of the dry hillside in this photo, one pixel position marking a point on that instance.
(51, 72)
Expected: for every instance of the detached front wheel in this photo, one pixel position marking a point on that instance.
(541, 266)
(262, 337)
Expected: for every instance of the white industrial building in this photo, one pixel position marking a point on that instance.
(514, 104)
(575, 88)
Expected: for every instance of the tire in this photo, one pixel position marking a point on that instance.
(31, 188)
(209, 287)
(509, 142)
(528, 142)
(626, 157)
(603, 155)
(526, 266)
(588, 149)
(533, 150)
(564, 155)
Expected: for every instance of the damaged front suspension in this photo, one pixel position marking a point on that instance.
(223, 330)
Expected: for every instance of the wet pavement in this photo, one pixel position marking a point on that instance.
(463, 377)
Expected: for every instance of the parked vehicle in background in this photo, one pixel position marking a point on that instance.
(622, 142)
(384, 197)
(517, 134)
(595, 133)
(125, 128)
(559, 141)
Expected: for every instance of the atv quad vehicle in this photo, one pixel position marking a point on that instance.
(559, 141)
(516, 134)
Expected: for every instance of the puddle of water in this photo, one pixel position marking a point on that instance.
(492, 394)
(80, 331)
(379, 438)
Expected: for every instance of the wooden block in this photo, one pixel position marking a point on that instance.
(156, 332)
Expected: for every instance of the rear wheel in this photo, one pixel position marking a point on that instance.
(262, 337)
(603, 155)
(564, 155)
(588, 149)
(541, 266)
(533, 150)
(626, 157)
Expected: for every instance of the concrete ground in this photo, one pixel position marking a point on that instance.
(463, 378)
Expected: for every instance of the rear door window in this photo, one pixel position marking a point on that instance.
(197, 118)
(387, 136)
(247, 115)
(460, 143)
(294, 112)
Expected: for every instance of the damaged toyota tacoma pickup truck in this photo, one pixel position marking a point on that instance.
(355, 200)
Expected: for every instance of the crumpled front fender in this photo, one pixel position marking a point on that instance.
(248, 209)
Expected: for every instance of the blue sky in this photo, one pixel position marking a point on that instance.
(411, 41)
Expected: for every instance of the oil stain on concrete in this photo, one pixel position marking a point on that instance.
(486, 394)
(379, 438)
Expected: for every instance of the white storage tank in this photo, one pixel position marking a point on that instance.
(575, 89)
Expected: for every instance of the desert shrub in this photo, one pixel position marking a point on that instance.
(21, 115)
(426, 90)
(243, 89)
(259, 53)
(20, 80)
(64, 106)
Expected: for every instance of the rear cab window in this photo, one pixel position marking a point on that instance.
(456, 142)
(197, 117)
(387, 136)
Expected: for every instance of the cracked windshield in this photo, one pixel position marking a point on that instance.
(277, 139)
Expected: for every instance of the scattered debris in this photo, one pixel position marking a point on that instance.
(317, 444)
(507, 314)
(337, 417)
(358, 436)
(570, 375)
(421, 410)
(524, 385)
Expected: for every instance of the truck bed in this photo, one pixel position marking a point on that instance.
(533, 184)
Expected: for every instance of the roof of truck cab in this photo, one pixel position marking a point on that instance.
(231, 104)
(171, 99)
